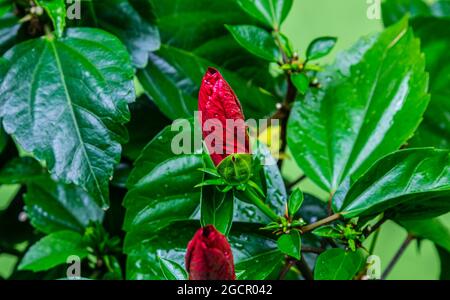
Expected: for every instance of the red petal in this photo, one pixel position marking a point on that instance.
(218, 103)
(209, 256)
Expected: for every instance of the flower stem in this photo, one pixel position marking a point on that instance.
(258, 202)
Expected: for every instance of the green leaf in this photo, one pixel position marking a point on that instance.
(320, 47)
(132, 21)
(301, 82)
(295, 202)
(270, 179)
(394, 10)
(255, 255)
(21, 170)
(53, 206)
(172, 270)
(197, 27)
(162, 186)
(435, 128)
(405, 176)
(79, 106)
(431, 229)
(353, 120)
(291, 244)
(217, 209)
(173, 77)
(338, 264)
(328, 232)
(56, 10)
(9, 28)
(256, 40)
(142, 131)
(53, 250)
(270, 12)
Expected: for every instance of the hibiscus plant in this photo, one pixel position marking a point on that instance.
(145, 139)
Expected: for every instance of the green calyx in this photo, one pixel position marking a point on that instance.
(236, 169)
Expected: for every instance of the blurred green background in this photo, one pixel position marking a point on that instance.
(347, 20)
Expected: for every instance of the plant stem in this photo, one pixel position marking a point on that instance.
(287, 266)
(376, 226)
(296, 181)
(305, 269)
(312, 250)
(374, 241)
(319, 223)
(397, 256)
(258, 202)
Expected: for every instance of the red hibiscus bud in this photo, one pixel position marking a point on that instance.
(222, 120)
(209, 256)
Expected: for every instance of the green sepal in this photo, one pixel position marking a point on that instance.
(236, 169)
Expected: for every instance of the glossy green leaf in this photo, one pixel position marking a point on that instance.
(21, 170)
(53, 206)
(56, 10)
(270, 12)
(132, 21)
(338, 264)
(173, 77)
(141, 131)
(9, 28)
(320, 47)
(434, 131)
(172, 270)
(12, 230)
(217, 209)
(423, 207)
(161, 187)
(77, 89)
(295, 202)
(369, 104)
(328, 232)
(399, 178)
(255, 255)
(301, 82)
(394, 10)
(270, 179)
(194, 37)
(256, 40)
(53, 250)
(430, 229)
(290, 244)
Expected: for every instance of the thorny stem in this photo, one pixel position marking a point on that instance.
(397, 256)
(319, 223)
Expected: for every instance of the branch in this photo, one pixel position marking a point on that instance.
(319, 223)
(296, 181)
(397, 256)
(287, 266)
(312, 250)
(305, 269)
